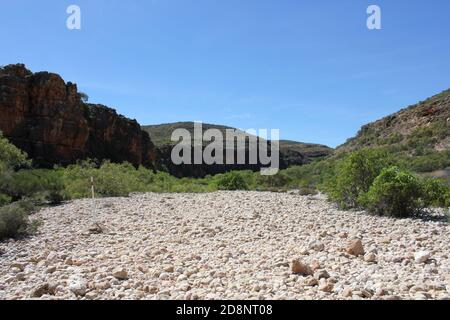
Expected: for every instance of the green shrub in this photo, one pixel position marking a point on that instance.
(435, 193)
(306, 191)
(14, 221)
(110, 179)
(42, 185)
(232, 181)
(355, 174)
(276, 181)
(429, 161)
(428, 136)
(10, 156)
(4, 199)
(395, 192)
(312, 175)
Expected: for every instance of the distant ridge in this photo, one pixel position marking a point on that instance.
(160, 135)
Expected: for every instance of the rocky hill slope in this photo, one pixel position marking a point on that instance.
(424, 125)
(291, 152)
(46, 117)
(161, 133)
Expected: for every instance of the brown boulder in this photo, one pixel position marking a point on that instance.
(355, 248)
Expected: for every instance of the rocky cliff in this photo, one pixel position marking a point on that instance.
(46, 117)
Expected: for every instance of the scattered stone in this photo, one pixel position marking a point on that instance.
(325, 286)
(343, 235)
(380, 292)
(347, 292)
(96, 228)
(78, 287)
(18, 266)
(422, 256)
(169, 269)
(247, 259)
(43, 289)
(104, 285)
(311, 282)
(120, 274)
(301, 268)
(366, 294)
(317, 246)
(321, 274)
(386, 240)
(181, 278)
(355, 248)
(51, 269)
(52, 257)
(315, 265)
(370, 257)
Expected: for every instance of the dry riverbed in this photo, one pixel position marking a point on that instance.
(224, 245)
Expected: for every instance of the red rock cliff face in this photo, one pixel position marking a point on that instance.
(46, 117)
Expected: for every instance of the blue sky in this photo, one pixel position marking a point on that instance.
(310, 68)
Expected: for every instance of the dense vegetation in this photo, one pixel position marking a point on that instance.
(371, 179)
(374, 179)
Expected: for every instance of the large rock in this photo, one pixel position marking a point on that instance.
(355, 248)
(44, 116)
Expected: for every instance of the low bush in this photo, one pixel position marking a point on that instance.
(14, 221)
(42, 185)
(355, 174)
(395, 192)
(4, 199)
(306, 191)
(435, 193)
(281, 179)
(231, 181)
(111, 180)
